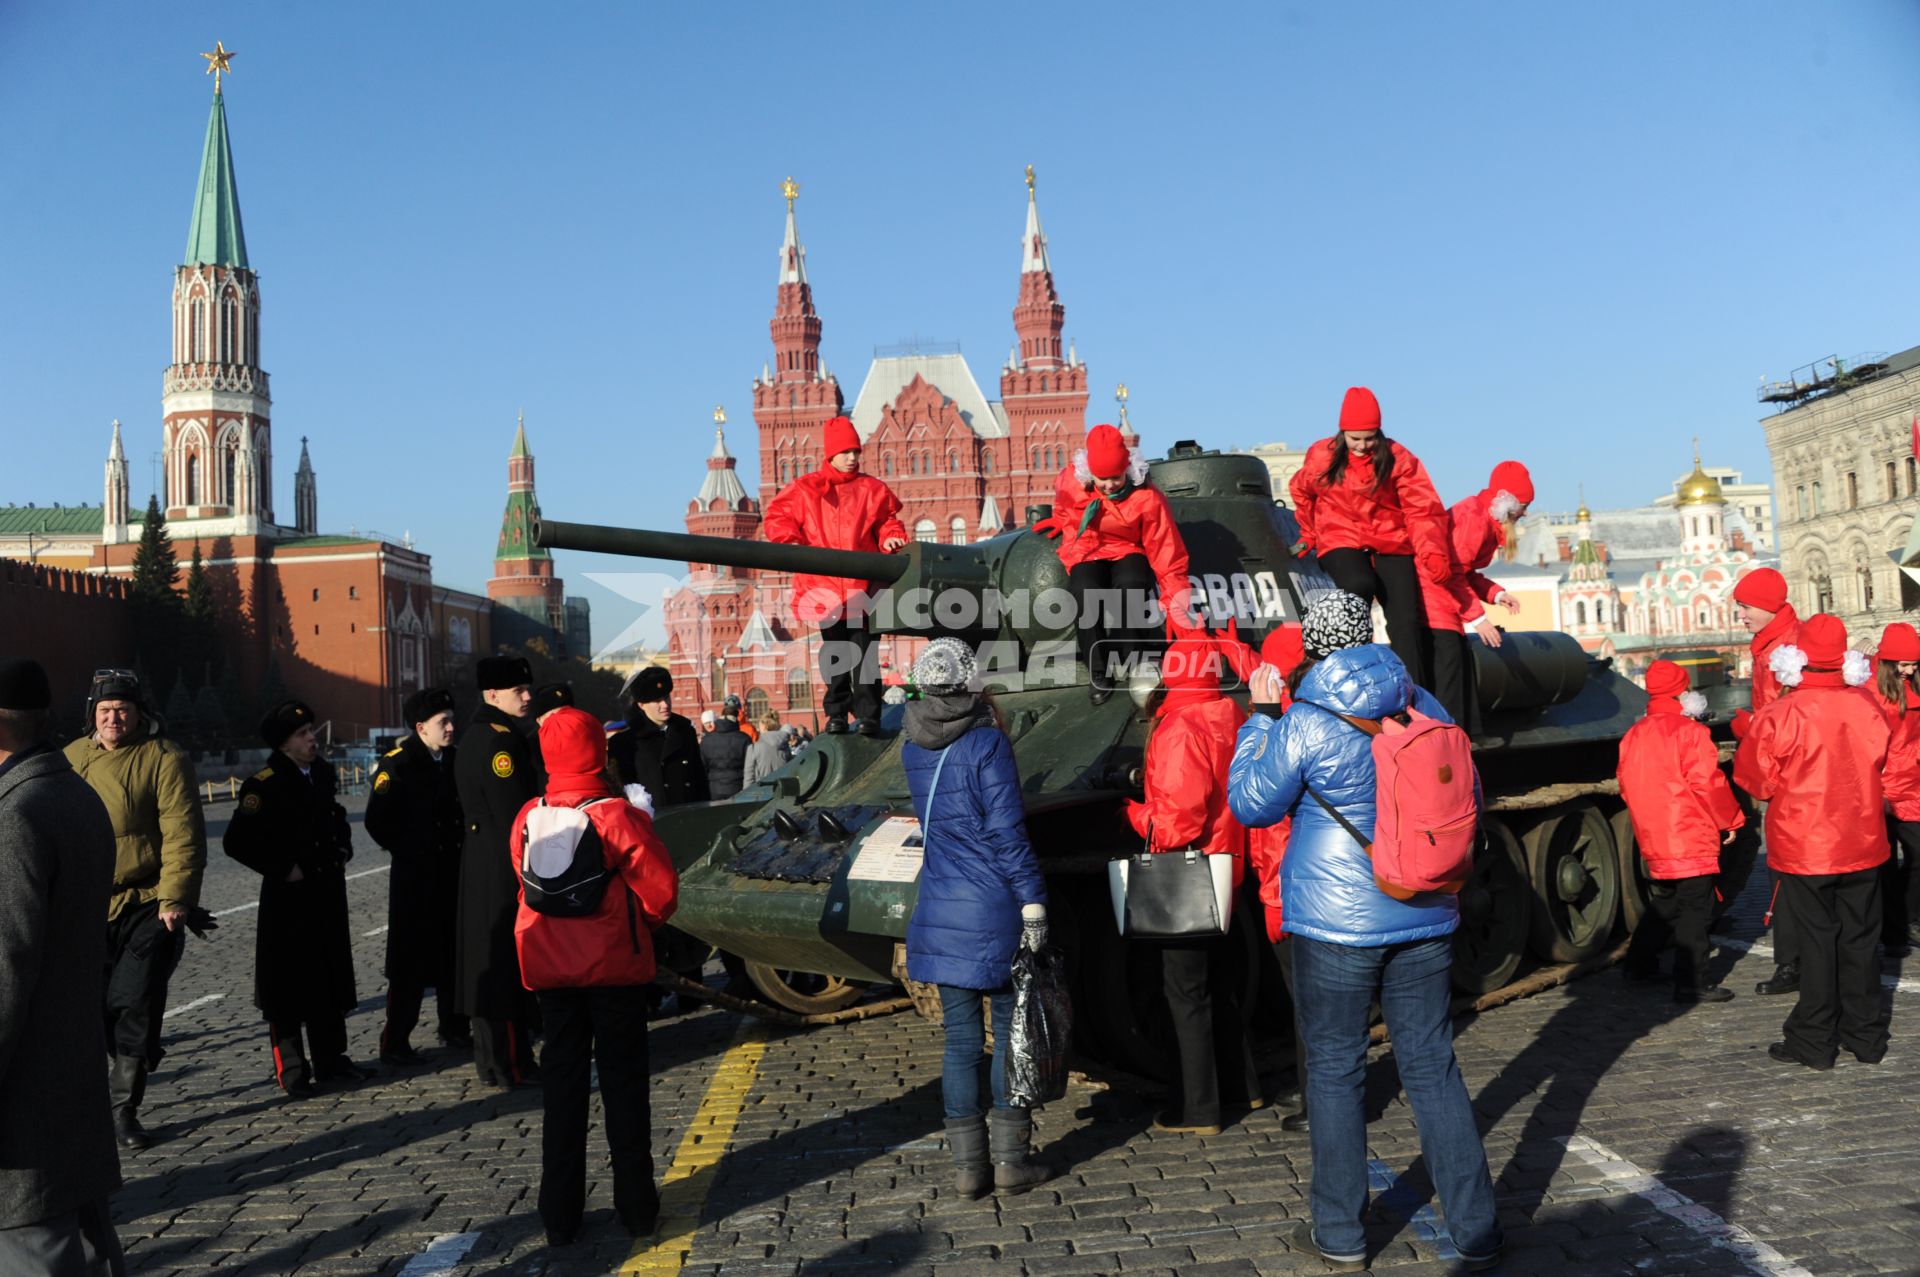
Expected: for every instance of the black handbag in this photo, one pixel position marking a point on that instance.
(1171, 895)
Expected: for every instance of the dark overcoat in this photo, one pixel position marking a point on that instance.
(414, 814)
(497, 771)
(56, 874)
(303, 948)
(663, 758)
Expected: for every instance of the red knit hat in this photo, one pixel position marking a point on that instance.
(573, 749)
(1107, 452)
(1824, 639)
(1192, 662)
(1899, 642)
(1359, 410)
(1763, 588)
(841, 437)
(1511, 476)
(1664, 678)
(1284, 648)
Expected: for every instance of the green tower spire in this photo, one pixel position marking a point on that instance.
(216, 238)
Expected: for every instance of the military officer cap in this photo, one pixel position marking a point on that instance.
(282, 721)
(424, 704)
(495, 673)
(551, 696)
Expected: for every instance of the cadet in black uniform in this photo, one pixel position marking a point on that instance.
(290, 830)
(414, 812)
(658, 749)
(497, 771)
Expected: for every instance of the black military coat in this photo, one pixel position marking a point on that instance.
(303, 951)
(664, 758)
(414, 813)
(497, 771)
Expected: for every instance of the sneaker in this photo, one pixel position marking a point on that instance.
(1784, 979)
(1705, 993)
(1300, 1238)
(1784, 1053)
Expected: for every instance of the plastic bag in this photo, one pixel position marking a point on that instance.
(1042, 1023)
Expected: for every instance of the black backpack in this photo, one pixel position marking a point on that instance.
(577, 889)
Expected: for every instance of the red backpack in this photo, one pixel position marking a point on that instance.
(1426, 804)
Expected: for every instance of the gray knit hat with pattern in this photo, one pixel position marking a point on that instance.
(945, 667)
(1335, 621)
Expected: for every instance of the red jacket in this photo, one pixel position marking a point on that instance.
(1473, 538)
(1678, 797)
(836, 512)
(1138, 523)
(613, 946)
(1267, 850)
(1814, 755)
(1186, 782)
(1405, 518)
(1784, 628)
(1900, 778)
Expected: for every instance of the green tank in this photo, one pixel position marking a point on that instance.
(808, 877)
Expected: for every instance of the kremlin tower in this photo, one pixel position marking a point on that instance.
(523, 581)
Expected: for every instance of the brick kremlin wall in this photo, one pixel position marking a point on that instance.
(71, 622)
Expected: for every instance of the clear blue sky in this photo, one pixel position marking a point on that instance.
(1576, 234)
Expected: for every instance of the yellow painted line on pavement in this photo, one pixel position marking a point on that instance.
(683, 1192)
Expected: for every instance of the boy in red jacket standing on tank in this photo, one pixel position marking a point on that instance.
(1814, 755)
(591, 975)
(1683, 810)
(838, 508)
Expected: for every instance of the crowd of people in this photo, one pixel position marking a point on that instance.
(528, 885)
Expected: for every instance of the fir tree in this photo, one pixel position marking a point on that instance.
(156, 604)
(202, 638)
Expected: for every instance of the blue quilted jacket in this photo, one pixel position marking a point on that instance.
(1327, 890)
(979, 868)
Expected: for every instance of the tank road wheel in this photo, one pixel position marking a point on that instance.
(1633, 870)
(1575, 871)
(1495, 908)
(803, 992)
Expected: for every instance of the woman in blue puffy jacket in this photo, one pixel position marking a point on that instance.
(980, 893)
(1355, 945)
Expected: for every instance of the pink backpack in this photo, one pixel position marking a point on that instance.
(1426, 804)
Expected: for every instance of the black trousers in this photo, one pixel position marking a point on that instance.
(1391, 581)
(80, 1243)
(502, 1051)
(1453, 681)
(326, 1036)
(1283, 951)
(847, 670)
(141, 956)
(1899, 884)
(584, 1028)
(404, 998)
(1679, 911)
(1212, 1057)
(1110, 609)
(1786, 937)
(1838, 920)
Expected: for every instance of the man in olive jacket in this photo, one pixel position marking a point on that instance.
(160, 851)
(57, 1160)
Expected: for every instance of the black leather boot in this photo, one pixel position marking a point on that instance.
(1785, 979)
(127, 1080)
(967, 1140)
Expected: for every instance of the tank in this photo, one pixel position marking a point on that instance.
(811, 876)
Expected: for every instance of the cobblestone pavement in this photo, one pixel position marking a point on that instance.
(1626, 1135)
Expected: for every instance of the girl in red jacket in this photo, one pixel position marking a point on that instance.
(1815, 756)
(838, 508)
(1762, 598)
(1188, 751)
(1117, 540)
(1897, 663)
(1367, 509)
(591, 975)
(1683, 810)
(1477, 528)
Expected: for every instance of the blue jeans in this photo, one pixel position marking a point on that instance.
(1334, 984)
(965, 1060)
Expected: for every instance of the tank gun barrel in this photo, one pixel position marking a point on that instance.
(763, 556)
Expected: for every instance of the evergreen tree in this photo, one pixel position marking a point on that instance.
(157, 608)
(202, 636)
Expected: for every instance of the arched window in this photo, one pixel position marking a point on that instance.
(1043, 383)
(799, 690)
(193, 478)
(757, 704)
(953, 462)
(783, 472)
(1702, 617)
(925, 531)
(233, 498)
(886, 465)
(1866, 587)
(959, 530)
(1600, 612)
(986, 463)
(1580, 613)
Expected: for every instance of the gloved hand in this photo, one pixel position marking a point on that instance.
(1435, 567)
(201, 922)
(638, 796)
(1033, 927)
(1302, 548)
(1742, 720)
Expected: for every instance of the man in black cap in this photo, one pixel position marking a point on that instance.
(549, 697)
(725, 752)
(497, 771)
(57, 1160)
(414, 813)
(290, 829)
(147, 784)
(657, 749)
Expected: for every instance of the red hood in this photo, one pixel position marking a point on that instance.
(574, 748)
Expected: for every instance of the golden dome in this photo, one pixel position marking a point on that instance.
(1700, 488)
